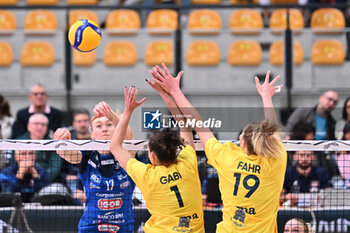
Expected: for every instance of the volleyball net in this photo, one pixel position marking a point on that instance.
(52, 199)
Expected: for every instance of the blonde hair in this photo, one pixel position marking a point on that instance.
(260, 139)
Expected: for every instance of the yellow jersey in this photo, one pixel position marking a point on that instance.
(250, 187)
(172, 194)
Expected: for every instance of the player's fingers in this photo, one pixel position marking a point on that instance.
(151, 72)
(160, 71)
(136, 93)
(275, 80)
(158, 76)
(166, 69)
(257, 82)
(267, 77)
(179, 75)
(141, 101)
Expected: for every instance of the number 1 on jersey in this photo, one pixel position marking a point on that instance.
(178, 195)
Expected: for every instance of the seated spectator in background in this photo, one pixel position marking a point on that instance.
(38, 98)
(211, 194)
(339, 127)
(303, 131)
(23, 176)
(319, 116)
(6, 119)
(49, 160)
(79, 131)
(302, 176)
(343, 158)
(296, 225)
(80, 125)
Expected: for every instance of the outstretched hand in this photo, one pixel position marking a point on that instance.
(267, 89)
(165, 79)
(131, 99)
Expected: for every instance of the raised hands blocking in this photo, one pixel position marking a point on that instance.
(103, 109)
(267, 89)
(62, 134)
(165, 79)
(131, 99)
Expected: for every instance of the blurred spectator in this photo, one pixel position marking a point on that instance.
(301, 177)
(319, 116)
(211, 194)
(80, 125)
(303, 131)
(38, 98)
(296, 225)
(339, 127)
(343, 158)
(23, 176)
(49, 160)
(6, 119)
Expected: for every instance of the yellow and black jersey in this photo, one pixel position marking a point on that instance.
(250, 187)
(172, 194)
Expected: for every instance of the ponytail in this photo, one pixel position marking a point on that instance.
(260, 139)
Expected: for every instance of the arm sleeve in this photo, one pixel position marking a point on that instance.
(214, 150)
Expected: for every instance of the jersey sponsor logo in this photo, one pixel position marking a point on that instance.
(247, 210)
(239, 216)
(111, 215)
(106, 195)
(121, 177)
(184, 225)
(110, 204)
(95, 178)
(105, 227)
(124, 184)
(107, 162)
(93, 186)
(92, 163)
(170, 177)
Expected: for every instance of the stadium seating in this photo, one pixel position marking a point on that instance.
(277, 55)
(204, 22)
(162, 22)
(6, 54)
(244, 1)
(327, 20)
(84, 59)
(40, 22)
(42, 2)
(8, 2)
(327, 52)
(206, 1)
(244, 53)
(8, 22)
(246, 21)
(158, 52)
(37, 53)
(120, 53)
(203, 53)
(82, 14)
(278, 20)
(123, 22)
(82, 2)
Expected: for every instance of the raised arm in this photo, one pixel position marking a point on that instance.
(71, 156)
(266, 91)
(172, 86)
(122, 155)
(185, 133)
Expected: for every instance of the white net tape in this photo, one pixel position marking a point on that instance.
(291, 145)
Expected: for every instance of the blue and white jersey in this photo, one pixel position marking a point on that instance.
(108, 190)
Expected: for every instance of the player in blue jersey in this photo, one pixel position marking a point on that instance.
(107, 186)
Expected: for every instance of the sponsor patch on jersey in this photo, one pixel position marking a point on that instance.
(110, 204)
(107, 162)
(184, 225)
(124, 184)
(111, 215)
(105, 227)
(92, 163)
(239, 216)
(95, 178)
(122, 176)
(94, 186)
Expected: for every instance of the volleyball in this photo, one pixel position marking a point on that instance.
(84, 35)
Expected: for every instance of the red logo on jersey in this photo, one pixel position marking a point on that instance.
(110, 204)
(108, 228)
